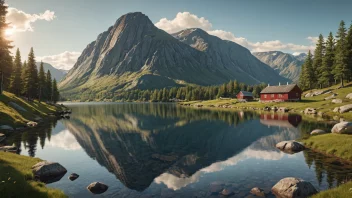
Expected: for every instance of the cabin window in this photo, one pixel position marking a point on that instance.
(264, 95)
(272, 95)
(297, 94)
(280, 95)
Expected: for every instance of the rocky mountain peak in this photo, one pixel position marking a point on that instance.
(134, 54)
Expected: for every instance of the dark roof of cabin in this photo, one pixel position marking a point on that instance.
(247, 93)
(278, 89)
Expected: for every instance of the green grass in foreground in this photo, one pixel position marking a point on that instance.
(13, 117)
(338, 145)
(16, 178)
(343, 191)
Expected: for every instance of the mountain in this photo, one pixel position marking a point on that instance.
(133, 53)
(58, 74)
(285, 64)
(301, 56)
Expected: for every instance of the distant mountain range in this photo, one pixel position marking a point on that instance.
(58, 74)
(133, 53)
(287, 65)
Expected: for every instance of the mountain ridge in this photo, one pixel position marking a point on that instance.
(134, 54)
(285, 64)
(57, 74)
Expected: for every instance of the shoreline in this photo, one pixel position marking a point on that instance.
(18, 178)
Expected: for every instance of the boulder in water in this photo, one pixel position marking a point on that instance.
(97, 188)
(291, 187)
(257, 192)
(73, 176)
(290, 146)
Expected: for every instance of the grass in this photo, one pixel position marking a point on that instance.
(16, 178)
(338, 145)
(317, 102)
(14, 117)
(343, 191)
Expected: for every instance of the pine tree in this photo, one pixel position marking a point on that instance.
(56, 94)
(49, 87)
(326, 76)
(349, 50)
(16, 81)
(31, 77)
(23, 78)
(340, 62)
(305, 79)
(318, 61)
(5, 57)
(41, 82)
(231, 89)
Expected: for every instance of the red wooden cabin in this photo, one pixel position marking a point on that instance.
(245, 95)
(281, 93)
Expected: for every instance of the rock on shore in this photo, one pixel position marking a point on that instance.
(317, 132)
(342, 128)
(48, 171)
(345, 108)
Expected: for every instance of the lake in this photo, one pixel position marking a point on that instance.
(164, 150)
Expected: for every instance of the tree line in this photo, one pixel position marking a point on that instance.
(23, 79)
(331, 62)
(226, 90)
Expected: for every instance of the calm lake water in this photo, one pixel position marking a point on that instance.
(163, 150)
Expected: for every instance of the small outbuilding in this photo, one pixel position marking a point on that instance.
(245, 95)
(281, 93)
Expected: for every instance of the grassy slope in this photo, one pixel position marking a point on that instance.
(343, 191)
(317, 102)
(16, 178)
(11, 116)
(338, 145)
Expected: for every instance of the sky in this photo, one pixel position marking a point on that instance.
(60, 30)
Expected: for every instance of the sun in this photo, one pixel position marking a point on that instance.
(9, 32)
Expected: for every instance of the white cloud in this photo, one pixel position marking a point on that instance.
(21, 21)
(313, 39)
(184, 20)
(296, 53)
(65, 60)
(64, 140)
(176, 183)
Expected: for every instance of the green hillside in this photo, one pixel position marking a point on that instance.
(16, 111)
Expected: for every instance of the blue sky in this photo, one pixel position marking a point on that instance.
(257, 24)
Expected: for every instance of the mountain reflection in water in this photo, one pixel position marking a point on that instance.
(148, 146)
